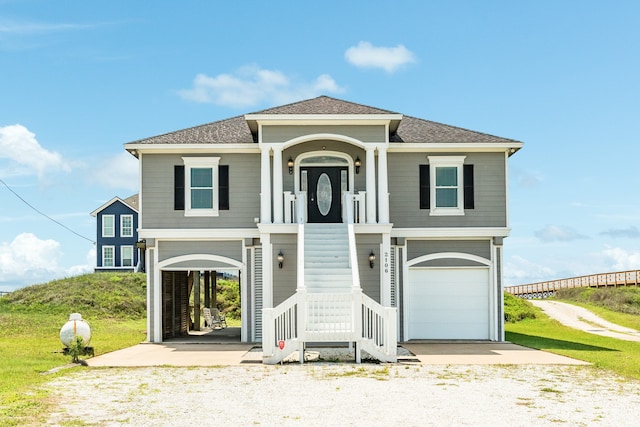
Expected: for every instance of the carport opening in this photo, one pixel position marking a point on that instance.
(186, 295)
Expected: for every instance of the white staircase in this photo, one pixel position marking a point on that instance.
(329, 305)
(326, 258)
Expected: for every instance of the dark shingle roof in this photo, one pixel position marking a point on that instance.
(236, 129)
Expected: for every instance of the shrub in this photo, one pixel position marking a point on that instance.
(517, 309)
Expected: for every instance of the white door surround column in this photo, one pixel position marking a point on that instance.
(278, 209)
(265, 186)
(371, 184)
(383, 187)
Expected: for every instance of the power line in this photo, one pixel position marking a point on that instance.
(44, 214)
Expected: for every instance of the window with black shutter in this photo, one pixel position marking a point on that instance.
(223, 187)
(425, 195)
(178, 187)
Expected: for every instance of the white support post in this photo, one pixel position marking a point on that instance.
(277, 186)
(383, 187)
(371, 185)
(385, 270)
(265, 186)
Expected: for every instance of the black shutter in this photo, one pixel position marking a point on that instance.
(425, 191)
(223, 187)
(178, 187)
(468, 187)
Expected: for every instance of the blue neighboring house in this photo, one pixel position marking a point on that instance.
(117, 235)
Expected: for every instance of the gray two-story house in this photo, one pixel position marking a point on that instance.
(344, 223)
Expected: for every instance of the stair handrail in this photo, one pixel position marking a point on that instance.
(353, 256)
(300, 282)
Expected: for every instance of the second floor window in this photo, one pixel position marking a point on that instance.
(126, 226)
(108, 226)
(201, 186)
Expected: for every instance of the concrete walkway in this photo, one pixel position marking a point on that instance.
(585, 320)
(428, 353)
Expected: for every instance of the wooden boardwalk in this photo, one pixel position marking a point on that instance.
(546, 289)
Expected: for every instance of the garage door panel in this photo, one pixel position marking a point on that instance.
(448, 303)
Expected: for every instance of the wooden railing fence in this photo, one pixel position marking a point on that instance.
(546, 289)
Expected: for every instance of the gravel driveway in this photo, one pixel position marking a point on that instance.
(346, 394)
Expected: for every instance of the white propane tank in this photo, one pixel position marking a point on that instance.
(76, 326)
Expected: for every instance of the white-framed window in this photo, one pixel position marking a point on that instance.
(126, 225)
(108, 256)
(108, 225)
(201, 186)
(126, 256)
(447, 196)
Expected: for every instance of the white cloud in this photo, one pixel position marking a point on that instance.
(28, 260)
(622, 259)
(366, 55)
(26, 155)
(28, 256)
(119, 171)
(252, 86)
(555, 233)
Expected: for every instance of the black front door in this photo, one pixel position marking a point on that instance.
(324, 186)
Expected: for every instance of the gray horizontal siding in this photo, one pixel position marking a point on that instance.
(157, 193)
(229, 249)
(418, 248)
(489, 192)
(285, 278)
(369, 277)
(280, 133)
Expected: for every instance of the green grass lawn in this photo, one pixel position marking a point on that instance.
(30, 346)
(621, 357)
(30, 321)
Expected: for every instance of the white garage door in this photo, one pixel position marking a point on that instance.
(448, 303)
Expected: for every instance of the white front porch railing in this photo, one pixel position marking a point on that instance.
(303, 318)
(350, 316)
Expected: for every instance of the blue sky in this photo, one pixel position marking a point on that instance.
(79, 79)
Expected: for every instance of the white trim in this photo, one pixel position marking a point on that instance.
(322, 136)
(122, 216)
(109, 203)
(204, 148)
(199, 233)
(204, 163)
(157, 293)
(446, 162)
(324, 119)
(449, 255)
(454, 147)
(312, 154)
(113, 225)
(167, 263)
(449, 232)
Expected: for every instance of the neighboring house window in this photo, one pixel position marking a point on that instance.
(126, 256)
(446, 185)
(108, 256)
(108, 226)
(201, 186)
(126, 225)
